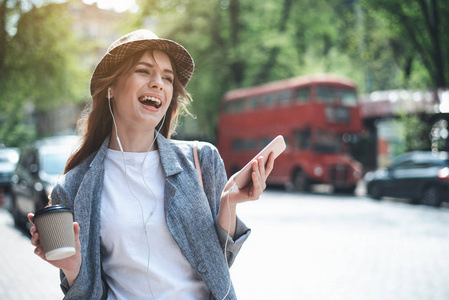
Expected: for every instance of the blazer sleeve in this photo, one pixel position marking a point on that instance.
(214, 180)
(85, 286)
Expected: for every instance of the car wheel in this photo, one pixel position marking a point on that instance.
(301, 181)
(15, 214)
(375, 192)
(432, 196)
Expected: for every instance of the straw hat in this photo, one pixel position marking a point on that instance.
(137, 41)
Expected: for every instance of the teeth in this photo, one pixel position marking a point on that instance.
(155, 100)
(146, 98)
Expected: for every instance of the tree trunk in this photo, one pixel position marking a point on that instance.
(265, 71)
(3, 36)
(237, 64)
(432, 23)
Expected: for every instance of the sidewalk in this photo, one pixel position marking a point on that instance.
(23, 275)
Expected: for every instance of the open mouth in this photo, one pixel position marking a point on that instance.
(150, 101)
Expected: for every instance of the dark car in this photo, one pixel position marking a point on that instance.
(38, 169)
(421, 176)
(8, 161)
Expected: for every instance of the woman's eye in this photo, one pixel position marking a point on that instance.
(144, 71)
(169, 79)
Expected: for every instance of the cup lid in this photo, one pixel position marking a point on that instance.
(52, 209)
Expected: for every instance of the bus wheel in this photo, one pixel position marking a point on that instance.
(15, 214)
(347, 190)
(301, 181)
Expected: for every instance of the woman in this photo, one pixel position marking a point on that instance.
(145, 229)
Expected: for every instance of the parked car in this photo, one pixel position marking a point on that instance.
(8, 161)
(36, 173)
(422, 176)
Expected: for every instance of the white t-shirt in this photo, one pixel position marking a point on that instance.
(125, 245)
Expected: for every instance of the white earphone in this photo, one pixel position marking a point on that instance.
(113, 119)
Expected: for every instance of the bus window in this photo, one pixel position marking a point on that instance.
(325, 94)
(243, 145)
(264, 142)
(253, 103)
(249, 144)
(338, 114)
(302, 94)
(284, 97)
(237, 145)
(228, 107)
(234, 106)
(325, 142)
(268, 100)
(239, 105)
(301, 139)
(348, 97)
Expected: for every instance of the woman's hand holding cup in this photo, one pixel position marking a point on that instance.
(70, 265)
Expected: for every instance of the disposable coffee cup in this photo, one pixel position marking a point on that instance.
(55, 226)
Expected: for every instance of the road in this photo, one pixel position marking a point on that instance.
(302, 246)
(321, 247)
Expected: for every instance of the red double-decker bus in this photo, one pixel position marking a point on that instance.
(316, 114)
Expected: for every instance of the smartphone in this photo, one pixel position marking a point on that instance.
(277, 146)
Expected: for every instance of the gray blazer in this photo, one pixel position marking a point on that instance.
(191, 215)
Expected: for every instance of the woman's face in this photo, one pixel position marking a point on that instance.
(142, 96)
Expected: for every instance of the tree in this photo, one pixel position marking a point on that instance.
(243, 43)
(15, 131)
(240, 43)
(423, 25)
(38, 62)
(416, 132)
(44, 64)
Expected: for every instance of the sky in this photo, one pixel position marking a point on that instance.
(117, 5)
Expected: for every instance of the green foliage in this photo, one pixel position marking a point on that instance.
(418, 35)
(15, 130)
(415, 132)
(439, 135)
(380, 44)
(243, 43)
(39, 65)
(43, 58)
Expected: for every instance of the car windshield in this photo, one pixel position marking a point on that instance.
(8, 159)
(9, 156)
(437, 158)
(53, 163)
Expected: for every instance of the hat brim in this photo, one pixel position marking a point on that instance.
(182, 59)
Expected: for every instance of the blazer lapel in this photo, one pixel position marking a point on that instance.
(87, 202)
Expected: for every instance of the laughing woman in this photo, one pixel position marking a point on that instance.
(144, 226)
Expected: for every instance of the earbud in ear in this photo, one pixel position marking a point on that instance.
(109, 93)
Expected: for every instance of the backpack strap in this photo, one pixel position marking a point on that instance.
(197, 162)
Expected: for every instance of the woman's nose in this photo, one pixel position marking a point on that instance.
(156, 82)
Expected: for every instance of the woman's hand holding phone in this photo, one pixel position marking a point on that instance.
(243, 177)
(248, 184)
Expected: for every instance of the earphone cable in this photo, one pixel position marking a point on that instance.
(227, 237)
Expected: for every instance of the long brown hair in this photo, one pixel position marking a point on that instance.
(95, 123)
